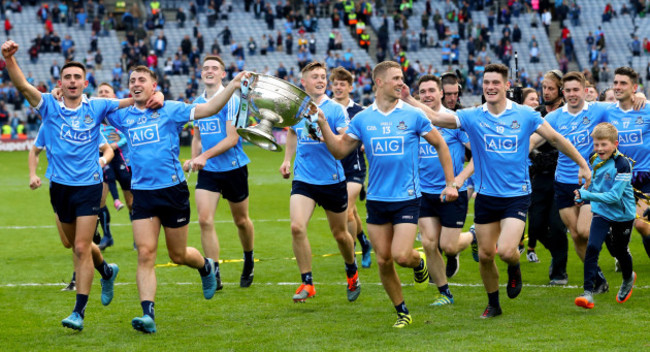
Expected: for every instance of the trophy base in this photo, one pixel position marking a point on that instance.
(260, 138)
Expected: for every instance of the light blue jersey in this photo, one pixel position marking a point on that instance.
(314, 163)
(72, 138)
(500, 147)
(39, 141)
(153, 141)
(432, 177)
(213, 131)
(633, 134)
(392, 141)
(577, 130)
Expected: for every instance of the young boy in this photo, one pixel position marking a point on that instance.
(613, 205)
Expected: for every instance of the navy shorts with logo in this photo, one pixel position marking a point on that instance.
(564, 196)
(333, 197)
(233, 184)
(451, 214)
(70, 202)
(489, 209)
(641, 181)
(171, 205)
(356, 176)
(379, 213)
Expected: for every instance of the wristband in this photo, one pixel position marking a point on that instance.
(103, 159)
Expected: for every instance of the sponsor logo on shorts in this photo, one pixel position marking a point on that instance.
(632, 137)
(144, 135)
(384, 146)
(521, 213)
(75, 136)
(500, 144)
(181, 219)
(407, 217)
(459, 223)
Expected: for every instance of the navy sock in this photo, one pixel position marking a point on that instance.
(444, 290)
(147, 308)
(104, 270)
(248, 261)
(493, 298)
(363, 240)
(80, 304)
(351, 269)
(205, 269)
(307, 278)
(74, 276)
(646, 244)
(105, 221)
(401, 308)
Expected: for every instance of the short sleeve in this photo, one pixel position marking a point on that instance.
(552, 119)
(463, 118)
(462, 136)
(115, 118)
(537, 119)
(104, 107)
(339, 117)
(233, 108)
(179, 112)
(354, 128)
(39, 142)
(45, 105)
(423, 124)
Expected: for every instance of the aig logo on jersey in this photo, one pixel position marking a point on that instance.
(303, 137)
(209, 126)
(144, 135)
(427, 150)
(633, 137)
(75, 136)
(500, 144)
(578, 138)
(383, 146)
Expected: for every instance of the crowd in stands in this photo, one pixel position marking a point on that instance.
(292, 30)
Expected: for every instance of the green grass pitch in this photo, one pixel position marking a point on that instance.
(263, 317)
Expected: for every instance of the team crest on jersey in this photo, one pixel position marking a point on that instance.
(402, 126)
(524, 188)
(155, 115)
(174, 178)
(96, 176)
(515, 125)
(585, 120)
(639, 120)
(608, 177)
(88, 120)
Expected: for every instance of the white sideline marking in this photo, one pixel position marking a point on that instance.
(63, 284)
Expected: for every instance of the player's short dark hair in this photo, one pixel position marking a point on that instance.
(341, 74)
(145, 69)
(215, 58)
(575, 76)
(382, 67)
(429, 77)
(74, 64)
(628, 71)
(448, 78)
(497, 68)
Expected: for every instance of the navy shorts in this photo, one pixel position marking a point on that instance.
(641, 181)
(70, 202)
(488, 209)
(379, 213)
(171, 205)
(333, 198)
(564, 196)
(233, 184)
(451, 214)
(356, 177)
(122, 171)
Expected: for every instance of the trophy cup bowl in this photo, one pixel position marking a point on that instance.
(273, 102)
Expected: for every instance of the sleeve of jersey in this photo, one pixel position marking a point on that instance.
(621, 180)
(102, 140)
(39, 142)
(423, 124)
(233, 108)
(551, 119)
(115, 119)
(537, 119)
(462, 119)
(105, 106)
(43, 106)
(463, 137)
(353, 129)
(122, 140)
(341, 120)
(181, 113)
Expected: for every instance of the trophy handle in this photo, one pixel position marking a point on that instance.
(242, 116)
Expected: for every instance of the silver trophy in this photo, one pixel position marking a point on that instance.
(272, 102)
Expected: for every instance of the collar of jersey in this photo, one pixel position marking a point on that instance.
(508, 107)
(84, 100)
(325, 99)
(400, 105)
(219, 90)
(585, 107)
(647, 103)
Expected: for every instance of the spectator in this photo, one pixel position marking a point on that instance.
(593, 54)
(590, 39)
(33, 122)
(55, 71)
(546, 20)
(99, 59)
(181, 17)
(226, 36)
(8, 26)
(312, 44)
(603, 57)
(446, 54)
(516, 34)
(200, 43)
(605, 73)
(635, 46)
(534, 53)
(252, 46)
(574, 14)
(608, 13)
(288, 45)
(81, 18)
(413, 40)
(424, 38)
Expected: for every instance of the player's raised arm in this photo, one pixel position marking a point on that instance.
(339, 145)
(563, 145)
(217, 103)
(33, 96)
(440, 118)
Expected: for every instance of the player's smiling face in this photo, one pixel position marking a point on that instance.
(142, 86)
(315, 82)
(392, 83)
(73, 81)
(212, 73)
(430, 93)
(623, 87)
(605, 148)
(341, 89)
(574, 94)
(105, 91)
(494, 87)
